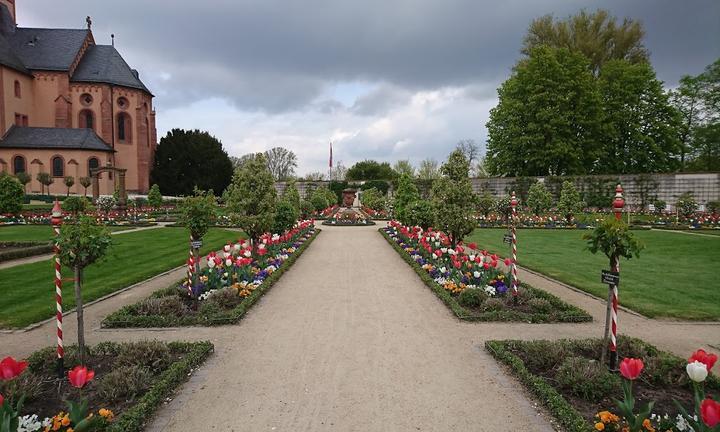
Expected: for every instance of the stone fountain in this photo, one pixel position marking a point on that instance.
(349, 213)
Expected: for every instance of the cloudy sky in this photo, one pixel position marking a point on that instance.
(382, 79)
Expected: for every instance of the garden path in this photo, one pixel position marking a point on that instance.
(351, 339)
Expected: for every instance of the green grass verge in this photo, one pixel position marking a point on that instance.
(126, 316)
(675, 276)
(29, 293)
(36, 232)
(568, 312)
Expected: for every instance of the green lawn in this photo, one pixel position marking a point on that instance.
(35, 232)
(677, 275)
(28, 291)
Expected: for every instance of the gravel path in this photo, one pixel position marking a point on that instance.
(350, 339)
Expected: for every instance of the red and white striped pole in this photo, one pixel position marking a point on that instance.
(513, 205)
(56, 221)
(191, 266)
(618, 205)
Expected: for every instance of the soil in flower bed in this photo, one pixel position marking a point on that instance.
(130, 378)
(571, 368)
(172, 307)
(485, 297)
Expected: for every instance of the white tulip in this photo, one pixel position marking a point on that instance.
(697, 371)
(476, 274)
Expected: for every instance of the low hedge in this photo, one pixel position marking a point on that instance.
(125, 317)
(134, 419)
(24, 249)
(570, 314)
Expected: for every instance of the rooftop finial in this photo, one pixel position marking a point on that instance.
(112, 36)
(88, 20)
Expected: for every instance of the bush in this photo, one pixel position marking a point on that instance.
(226, 298)
(420, 213)
(319, 201)
(539, 198)
(686, 204)
(106, 203)
(170, 305)
(713, 206)
(540, 305)
(285, 216)
(75, 204)
(154, 197)
(569, 203)
(306, 209)
(542, 356)
(373, 199)
(380, 185)
(27, 384)
(472, 297)
(587, 379)
(494, 304)
(12, 194)
(124, 383)
(659, 206)
(154, 355)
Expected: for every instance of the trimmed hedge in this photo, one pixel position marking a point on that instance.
(570, 313)
(28, 249)
(125, 317)
(135, 418)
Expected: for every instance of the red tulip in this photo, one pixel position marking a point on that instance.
(508, 261)
(10, 368)
(710, 412)
(630, 368)
(472, 245)
(703, 357)
(2, 400)
(80, 375)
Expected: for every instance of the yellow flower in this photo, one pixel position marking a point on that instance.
(106, 413)
(599, 426)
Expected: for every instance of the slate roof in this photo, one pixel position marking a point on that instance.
(47, 49)
(53, 138)
(103, 64)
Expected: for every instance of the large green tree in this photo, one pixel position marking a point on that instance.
(371, 170)
(640, 133)
(596, 35)
(547, 121)
(453, 198)
(252, 197)
(189, 159)
(406, 193)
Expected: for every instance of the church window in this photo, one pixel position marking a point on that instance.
(18, 90)
(86, 119)
(19, 164)
(58, 167)
(124, 128)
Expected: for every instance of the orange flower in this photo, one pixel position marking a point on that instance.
(599, 426)
(647, 425)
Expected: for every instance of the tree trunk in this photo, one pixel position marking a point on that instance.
(79, 312)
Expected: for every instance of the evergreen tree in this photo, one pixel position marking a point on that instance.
(539, 198)
(570, 203)
(252, 197)
(291, 194)
(154, 197)
(11, 194)
(406, 193)
(453, 198)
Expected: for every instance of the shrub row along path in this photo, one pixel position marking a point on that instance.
(45, 257)
(351, 340)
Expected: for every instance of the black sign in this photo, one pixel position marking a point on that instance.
(507, 238)
(610, 277)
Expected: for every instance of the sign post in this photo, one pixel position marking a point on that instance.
(614, 282)
(56, 221)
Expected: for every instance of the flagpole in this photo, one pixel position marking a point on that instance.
(331, 162)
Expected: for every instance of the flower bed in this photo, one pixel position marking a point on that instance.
(225, 290)
(471, 283)
(122, 384)
(580, 392)
(345, 216)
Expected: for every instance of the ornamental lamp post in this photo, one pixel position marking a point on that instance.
(513, 269)
(56, 221)
(618, 205)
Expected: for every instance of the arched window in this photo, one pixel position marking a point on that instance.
(86, 119)
(58, 167)
(93, 163)
(18, 90)
(19, 164)
(124, 128)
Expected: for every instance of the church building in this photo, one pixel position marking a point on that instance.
(68, 105)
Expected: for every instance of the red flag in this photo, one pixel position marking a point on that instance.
(330, 154)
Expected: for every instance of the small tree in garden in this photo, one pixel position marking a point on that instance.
(154, 197)
(502, 207)
(306, 209)
(45, 181)
(69, 182)
(373, 198)
(570, 203)
(82, 244)
(286, 215)
(686, 205)
(24, 178)
(319, 200)
(291, 194)
(75, 205)
(614, 239)
(197, 212)
(106, 203)
(539, 198)
(11, 194)
(252, 197)
(85, 182)
(485, 203)
(406, 193)
(453, 198)
(420, 213)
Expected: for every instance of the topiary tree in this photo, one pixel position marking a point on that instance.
(539, 198)
(45, 180)
(485, 203)
(252, 197)
(154, 197)
(420, 213)
(197, 213)
(75, 205)
(286, 215)
(570, 203)
(686, 205)
(85, 182)
(502, 207)
(291, 194)
(106, 203)
(11, 194)
(406, 193)
(319, 200)
(614, 239)
(82, 244)
(373, 198)
(306, 209)
(24, 178)
(453, 198)
(69, 181)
